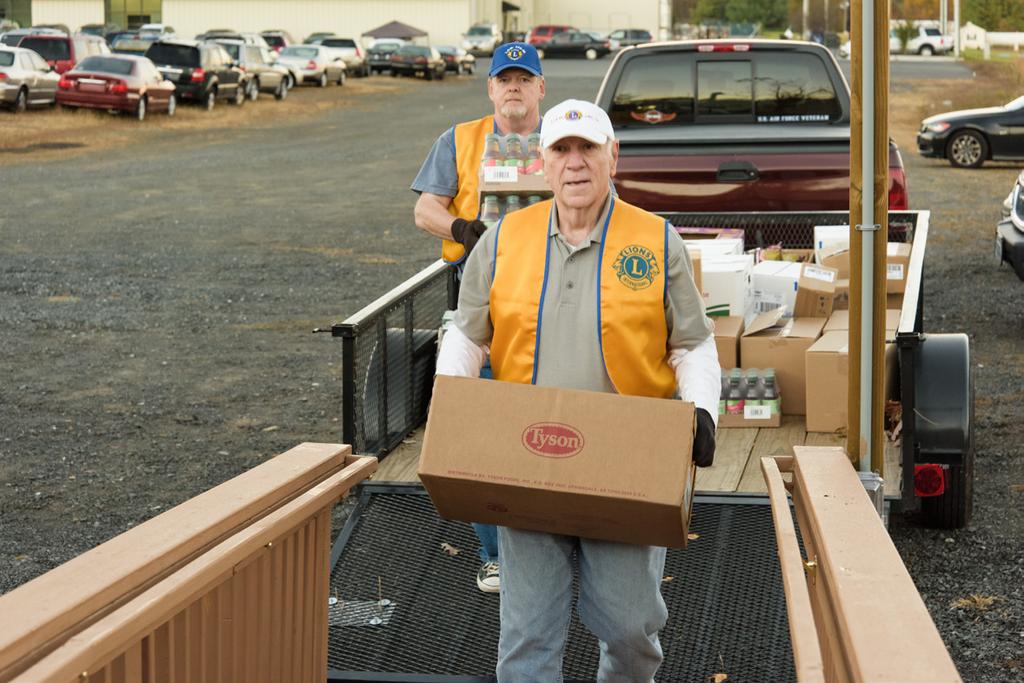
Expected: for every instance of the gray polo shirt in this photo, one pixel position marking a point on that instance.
(570, 353)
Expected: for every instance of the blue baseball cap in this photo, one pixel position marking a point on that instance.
(515, 56)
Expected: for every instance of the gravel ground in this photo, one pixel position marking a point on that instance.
(158, 286)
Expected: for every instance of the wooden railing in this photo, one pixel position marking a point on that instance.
(854, 612)
(229, 586)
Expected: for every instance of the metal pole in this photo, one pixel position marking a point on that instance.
(866, 236)
(806, 12)
(943, 18)
(956, 28)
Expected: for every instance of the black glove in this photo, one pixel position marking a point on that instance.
(467, 233)
(704, 439)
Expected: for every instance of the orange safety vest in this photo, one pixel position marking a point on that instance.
(632, 330)
(469, 148)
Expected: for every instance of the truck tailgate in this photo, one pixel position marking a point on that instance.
(697, 178)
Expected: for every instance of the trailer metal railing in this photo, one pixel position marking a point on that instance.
(388, 351)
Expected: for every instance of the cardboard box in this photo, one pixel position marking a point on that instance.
(897, 265)
(830, 239)
(696, 264)
(827, 366)
(828, 371)
(746, 421)
(765, 344)
(841, 302)
(522, 185)
(726, 284)
(777, 253)
(773, 284)
(838, 258)
(568, 462)
(815, 292)
(691, 233)
(727, 340)
(840, 320)
(711, 249)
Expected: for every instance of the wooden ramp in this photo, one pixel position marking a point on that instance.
(737, 465)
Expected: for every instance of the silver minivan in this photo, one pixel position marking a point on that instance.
(25, 79)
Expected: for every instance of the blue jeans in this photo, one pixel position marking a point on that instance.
(619, 601)
(487, 533)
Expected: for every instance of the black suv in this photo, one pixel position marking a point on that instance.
(201, 72)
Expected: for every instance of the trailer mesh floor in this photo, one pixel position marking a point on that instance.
(727, 611)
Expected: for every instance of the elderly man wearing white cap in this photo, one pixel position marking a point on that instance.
(585, 292)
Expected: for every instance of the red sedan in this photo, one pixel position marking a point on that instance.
(127, 83)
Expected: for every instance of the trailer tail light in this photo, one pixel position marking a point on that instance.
(929, 480)
(899, 200)
(198, 75)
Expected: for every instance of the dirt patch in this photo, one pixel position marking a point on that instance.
(56, 132)
(994, 83)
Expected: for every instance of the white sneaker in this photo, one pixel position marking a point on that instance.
(487, 578)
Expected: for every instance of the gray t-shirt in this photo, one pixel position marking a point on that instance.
(569, 351)
(439, 174)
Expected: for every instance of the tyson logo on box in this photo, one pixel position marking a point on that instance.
(552, 440)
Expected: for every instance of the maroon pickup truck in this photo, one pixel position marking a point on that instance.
(734, 125)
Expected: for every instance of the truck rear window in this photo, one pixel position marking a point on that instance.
(674, 88)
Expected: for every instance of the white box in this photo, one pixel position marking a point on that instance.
(829, 239)
(774, 284)
(726, 284)
(710, 249)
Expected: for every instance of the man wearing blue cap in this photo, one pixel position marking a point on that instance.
(448, 205)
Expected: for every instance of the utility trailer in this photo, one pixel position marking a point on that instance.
(388, 352)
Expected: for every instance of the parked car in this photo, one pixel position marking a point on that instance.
(248, 38)
(924, 40)
(312, 64)
(313, 37)
(457, 59)
(64, 51)
(971, 136)
(104, 31)
(378, 56)
(13, 37)
(262, 75)
(1010, 230)
(201, 72)
(277, 40)
(25, 79)
(410, 60)
(124, 83)
(158, 31)
(624, 37)
(574, 44)
(542, 33)
(481, 39)
(131, 44)
(350, 53)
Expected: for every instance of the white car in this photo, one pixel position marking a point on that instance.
(156, 31)
(924, 40)
(481, 39)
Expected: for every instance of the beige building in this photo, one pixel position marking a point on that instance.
(444, 20)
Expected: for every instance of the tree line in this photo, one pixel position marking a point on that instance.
(992, 15)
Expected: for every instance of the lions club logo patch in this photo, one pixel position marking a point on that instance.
(636, 267)
(573, 115)
(515, 53)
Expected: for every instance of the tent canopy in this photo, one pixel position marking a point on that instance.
(396, 29)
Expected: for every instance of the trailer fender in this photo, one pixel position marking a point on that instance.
(944, 426)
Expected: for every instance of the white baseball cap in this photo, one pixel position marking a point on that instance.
(576, 119)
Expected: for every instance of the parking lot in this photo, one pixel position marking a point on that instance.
(159, 283)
